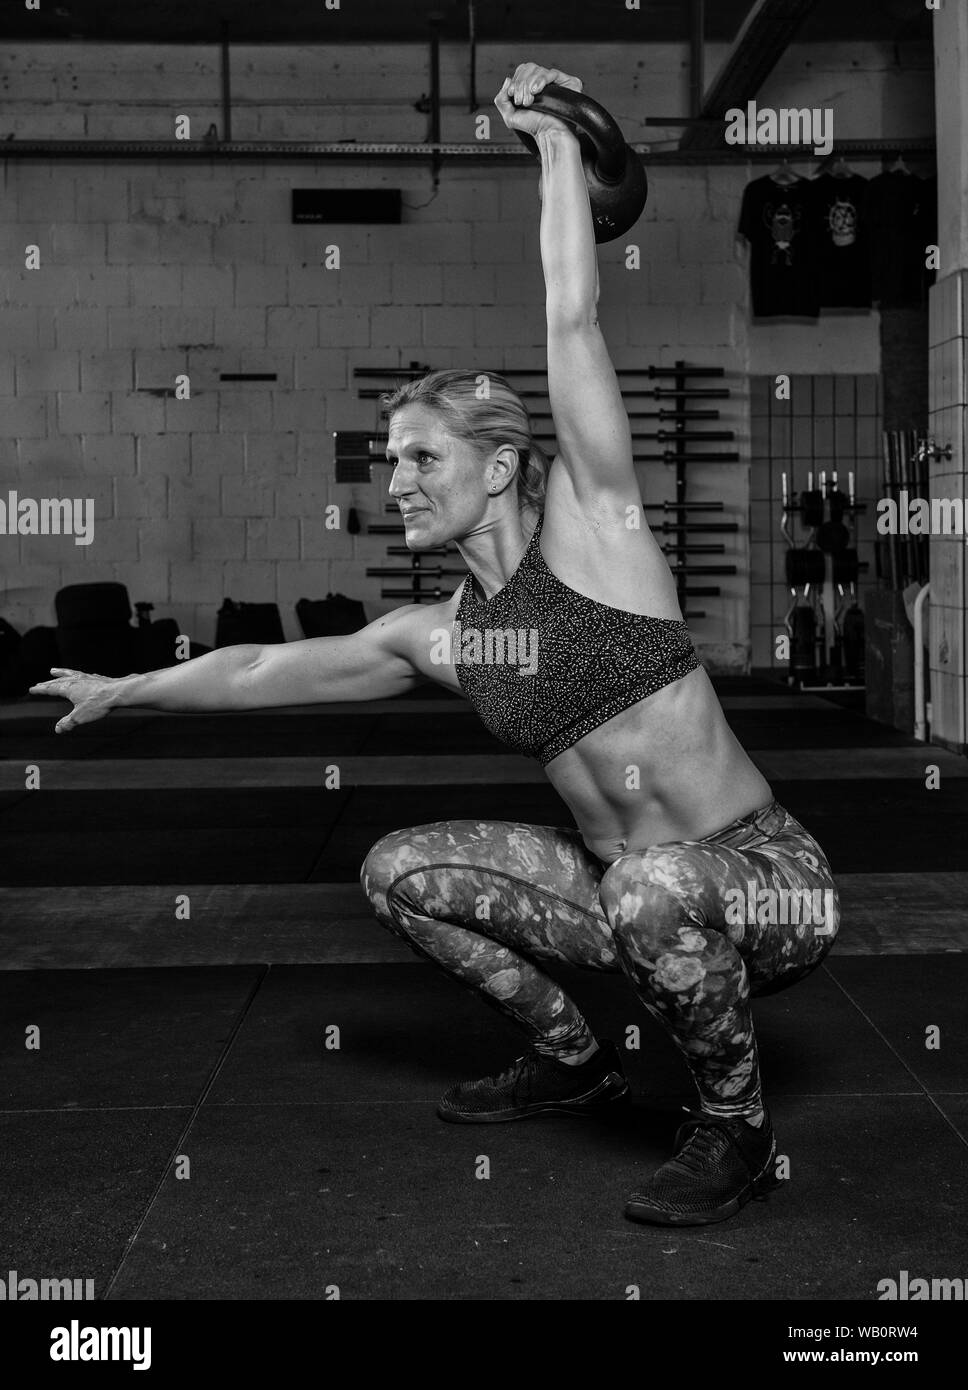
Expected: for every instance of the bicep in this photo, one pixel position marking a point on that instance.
(370, 664)
(591, 424)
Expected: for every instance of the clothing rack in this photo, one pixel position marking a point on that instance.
(357, 451)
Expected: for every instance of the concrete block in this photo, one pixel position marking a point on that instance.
(291, 328)
(194, 496)
(166, 539)
(141, 497)
(241, 411)
(181, 243)
(48, 371)
(307, 410)
(19, 329)
(158, 285)
(416, 284)
(207, 364)
(272, 538)
(164, 453)
(246, 496)
(55, 201)
(136, 412)
(238, 244)
(318, 542)
(210, 202)
(217, 453)
(132, 243)
(260, 284)
(24, 417)
(270, 455)
(276, 362)
(157, 370)
(77, 328)
(134, 328)
(342, 327)
(676, 284)
(319, 369)
(453, 326)
(218, 538)
(183, 328)
(314, 454)
(208, 285)
(198, 582)
(79, 243)
(299, 497)
(366, 285)
(296, 579)
(253, 581)
(103, 286)
(102, 195)
(304, 246)
(108, 453)
(261, 200)
(312, 284)
(114, 541)
(497, 327)
(84, 413)
(465, 284)
(51, 286)
(240, 328)
(107, 371)
(200, 413)
(395, 327)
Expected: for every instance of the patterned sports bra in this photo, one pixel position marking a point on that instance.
(543, 665)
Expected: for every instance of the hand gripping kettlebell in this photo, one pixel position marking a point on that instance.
(614, 173)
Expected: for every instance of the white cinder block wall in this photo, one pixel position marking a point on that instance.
(149, 270)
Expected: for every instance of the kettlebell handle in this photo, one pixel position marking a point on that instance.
(598, 133)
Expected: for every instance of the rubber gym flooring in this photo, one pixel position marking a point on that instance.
(184, 1132)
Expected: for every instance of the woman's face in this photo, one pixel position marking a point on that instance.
(439, 482)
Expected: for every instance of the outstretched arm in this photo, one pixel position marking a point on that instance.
(386, 658)
(591, 424)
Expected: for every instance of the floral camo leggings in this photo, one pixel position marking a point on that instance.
(698, 927)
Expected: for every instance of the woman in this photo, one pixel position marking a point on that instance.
(568, 639)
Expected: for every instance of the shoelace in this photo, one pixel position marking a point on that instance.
(706, 1141)
(520, 1071)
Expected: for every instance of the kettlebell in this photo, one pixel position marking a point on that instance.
(617, 184)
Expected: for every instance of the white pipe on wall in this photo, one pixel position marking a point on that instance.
(920, 724)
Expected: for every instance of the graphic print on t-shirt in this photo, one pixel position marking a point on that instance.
(778, 223)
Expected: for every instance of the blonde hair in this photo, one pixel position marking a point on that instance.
(481, 409)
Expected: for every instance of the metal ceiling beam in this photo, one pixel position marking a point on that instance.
(767, 31)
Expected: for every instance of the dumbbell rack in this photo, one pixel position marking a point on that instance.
(680, 516)
(825, 562)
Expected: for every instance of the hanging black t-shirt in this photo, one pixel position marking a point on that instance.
(927, 227)
(778, 223)
(897, 245)
(843, 245)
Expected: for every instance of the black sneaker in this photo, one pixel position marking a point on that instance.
(719, 1165)
(538, 1085)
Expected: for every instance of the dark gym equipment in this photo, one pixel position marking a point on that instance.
(804, 565)
(811, 507)
(247, 622)
(617, 184)
(94, 632)
(332, 616)
(853, 642)
(803, 658)
(845, 566)
(832, 536)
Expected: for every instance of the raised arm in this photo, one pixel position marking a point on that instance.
(591, 424)
(386, 658)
